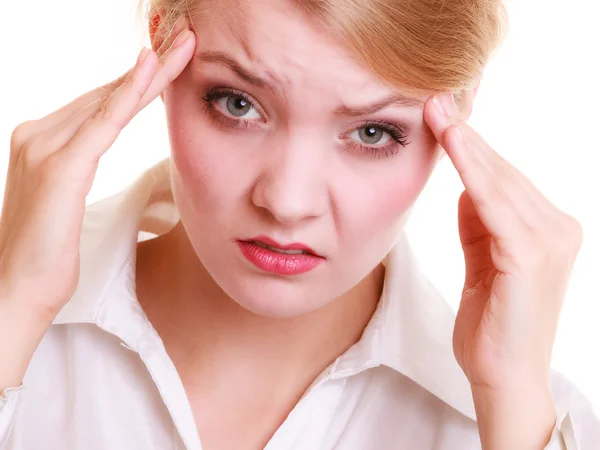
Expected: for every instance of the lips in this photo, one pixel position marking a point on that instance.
(285, 251)
(280, 259)
(271, 243)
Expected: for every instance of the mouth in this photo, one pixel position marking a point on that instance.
(273, 257)
(281, 250)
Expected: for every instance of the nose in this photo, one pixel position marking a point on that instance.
(292, 186)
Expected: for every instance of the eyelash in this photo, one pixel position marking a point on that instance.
(398, 138)
(214, 94)
(397, 134)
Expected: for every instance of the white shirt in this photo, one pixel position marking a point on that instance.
(101, 378)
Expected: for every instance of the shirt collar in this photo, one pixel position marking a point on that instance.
(110, 232)
(410, 331)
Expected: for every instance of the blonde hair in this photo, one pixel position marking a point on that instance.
(416, 45)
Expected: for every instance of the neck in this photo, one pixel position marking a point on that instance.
(207, 334)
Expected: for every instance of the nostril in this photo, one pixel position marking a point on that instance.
(290, 192)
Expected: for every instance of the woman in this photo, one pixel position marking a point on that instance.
(279, 305)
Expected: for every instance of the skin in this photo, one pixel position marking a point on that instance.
(280, 334)
(295, 175)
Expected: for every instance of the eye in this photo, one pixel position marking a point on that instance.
(371, 135)
(237, 106)
(379, 133)
(378, 139)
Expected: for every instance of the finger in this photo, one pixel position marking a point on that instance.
(65, 112)
(471, 229)
(536, 210)
(532, 206)
(474, 171)
(45, 143)
(493, 160)
(180, 25)
(172, 64)
(99, 132)
(475, 240)
(445, 122)
(57, 117)
(506, 200)
(514, 178)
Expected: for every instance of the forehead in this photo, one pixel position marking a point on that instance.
(277, 41)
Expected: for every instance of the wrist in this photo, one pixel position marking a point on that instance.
(519, 418)
(20, 334)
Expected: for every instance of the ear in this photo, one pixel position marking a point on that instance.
(156, 40)
(153, 23)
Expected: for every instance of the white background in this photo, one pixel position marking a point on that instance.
(538, 105)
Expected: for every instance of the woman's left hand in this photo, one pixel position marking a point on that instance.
(519, 253)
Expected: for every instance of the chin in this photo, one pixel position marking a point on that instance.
(272, 296)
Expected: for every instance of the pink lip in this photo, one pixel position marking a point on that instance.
(279, 263)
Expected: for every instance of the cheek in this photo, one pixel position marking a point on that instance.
(210, 168)
(376, 205)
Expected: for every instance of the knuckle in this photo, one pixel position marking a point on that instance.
(126, 81)
(112, 85)
(21, 133)
(108, 116)
(446, 137)
(139, 92)
(50, 169)
(568, 232)
(134, 88)
(103, 112)
(506, 171)
(548, 248)
(33, 144)
(556, 248)
(172, 76)
(495, 192)
(537, 250)
(31, 154)
(574, 229)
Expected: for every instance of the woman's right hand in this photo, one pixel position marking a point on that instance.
(52, 165)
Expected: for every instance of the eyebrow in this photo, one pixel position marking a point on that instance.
(392, 100)
(229, 62)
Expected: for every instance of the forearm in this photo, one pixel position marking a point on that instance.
(20, 334)
(517, 419)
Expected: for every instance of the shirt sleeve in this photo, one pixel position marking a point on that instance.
(9, 400)
(577, 426)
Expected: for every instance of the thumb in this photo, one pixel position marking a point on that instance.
(475, 240)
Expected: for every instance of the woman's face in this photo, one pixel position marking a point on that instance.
(279, 135)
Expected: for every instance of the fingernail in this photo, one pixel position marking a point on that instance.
(181, 38)
(143, 54)
(446, 104)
